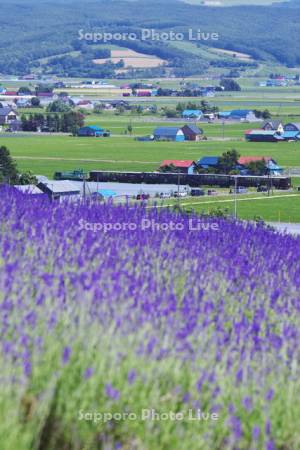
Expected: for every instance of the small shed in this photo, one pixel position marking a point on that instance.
(192, 132)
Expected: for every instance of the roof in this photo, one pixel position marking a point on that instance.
(193, 128)
(106, 193)
(224, 113)
(167, 131)
(240, 112)
(208, 161)
(92, 127)
(274, 123)
(177, 163)
(295, 124)
(28, 189)
(188, 112)
(58, 187)
(290, 134)
(262, 132)
(248, 159)
(5, 111)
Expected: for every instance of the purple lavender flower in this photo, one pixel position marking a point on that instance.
(255, 432)
(269, 395)
(247, 403)
(111, 392)
(66, 355)
(131, 376)
(88, 373)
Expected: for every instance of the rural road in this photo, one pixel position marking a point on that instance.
(290, 228)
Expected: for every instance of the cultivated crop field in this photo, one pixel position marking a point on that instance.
(175, 320)
(45, 154)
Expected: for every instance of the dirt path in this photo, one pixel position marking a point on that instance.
(43, 158)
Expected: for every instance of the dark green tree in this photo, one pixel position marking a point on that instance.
(8, 168)
(27, 178)
(228, 161)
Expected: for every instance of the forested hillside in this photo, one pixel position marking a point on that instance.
(32, 29)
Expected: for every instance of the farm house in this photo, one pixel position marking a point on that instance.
(270, 164)
(188, 166)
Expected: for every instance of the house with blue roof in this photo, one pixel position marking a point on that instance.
(238, 114)
(93, 131)
(169, 134)
(208, 161)
(192, 114)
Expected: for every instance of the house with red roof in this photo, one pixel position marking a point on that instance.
(180, 166)
(270, 164)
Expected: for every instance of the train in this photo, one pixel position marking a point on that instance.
(192, 180)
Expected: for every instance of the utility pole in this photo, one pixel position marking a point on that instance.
(178, 189)
(235, 195)
(84, 188)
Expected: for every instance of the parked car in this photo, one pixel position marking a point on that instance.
(180, 194)
(262, 189)
(197, 192)
(212, 192)
(142, 196)
(239, 190)
(165, 195)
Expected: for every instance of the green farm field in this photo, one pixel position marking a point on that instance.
(279, 207)
(46, 154)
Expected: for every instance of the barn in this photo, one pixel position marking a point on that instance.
(263, 136)
(169, 134)
(192, 132)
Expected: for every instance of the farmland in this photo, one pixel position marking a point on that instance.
(278, 207)
(45, 153)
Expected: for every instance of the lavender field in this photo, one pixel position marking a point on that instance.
(148, 337)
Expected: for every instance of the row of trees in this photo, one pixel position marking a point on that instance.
(68, 122)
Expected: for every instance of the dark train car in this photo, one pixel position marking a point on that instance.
(195, 180)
